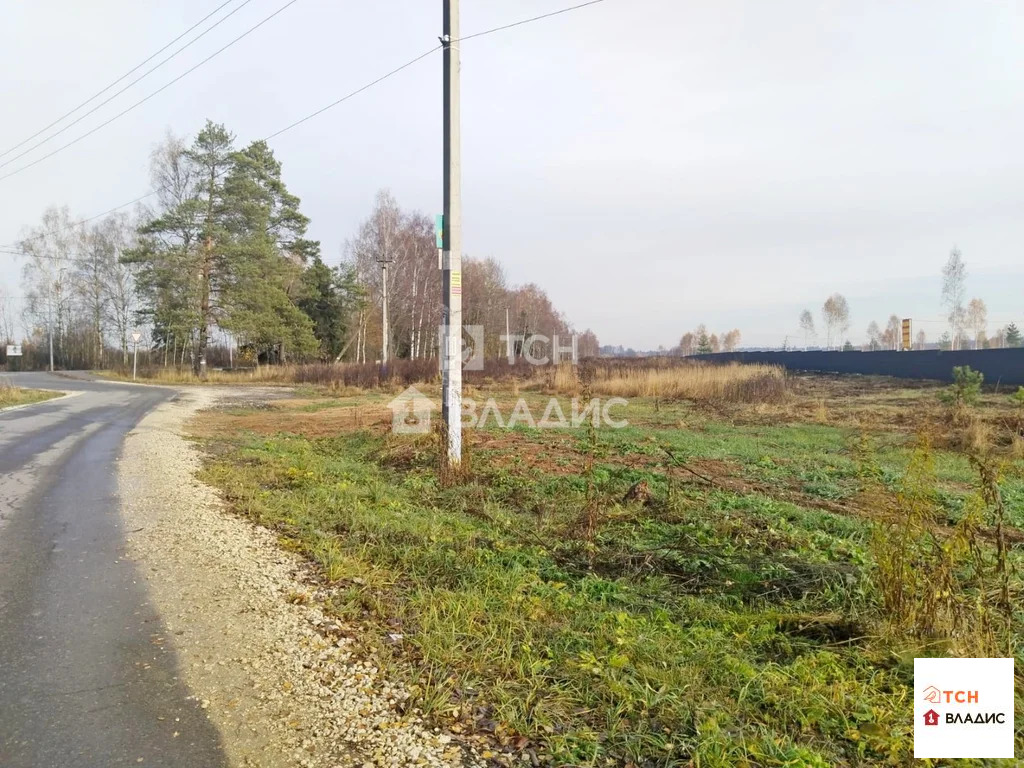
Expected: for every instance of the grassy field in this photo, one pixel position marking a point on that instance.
(742, 578)
(11, 395)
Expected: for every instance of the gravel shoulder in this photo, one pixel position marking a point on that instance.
(274, 676)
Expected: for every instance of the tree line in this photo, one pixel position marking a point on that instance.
(968, 320)
(700, 342)
(219, 270)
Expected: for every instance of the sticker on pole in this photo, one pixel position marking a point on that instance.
(456, 283)
(439, 229)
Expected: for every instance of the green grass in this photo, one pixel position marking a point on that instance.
(719, 625)
(12, 396)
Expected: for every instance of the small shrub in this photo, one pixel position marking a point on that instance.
(1018, 397)
(965, 389)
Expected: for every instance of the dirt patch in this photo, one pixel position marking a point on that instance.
(278, 418)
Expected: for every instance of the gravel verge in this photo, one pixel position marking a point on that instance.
(274, 675)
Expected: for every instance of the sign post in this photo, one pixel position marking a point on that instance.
(13, 350)
(135, 363)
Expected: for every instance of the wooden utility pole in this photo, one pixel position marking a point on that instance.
(451, 261)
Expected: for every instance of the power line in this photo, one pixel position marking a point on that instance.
(318, 112)
(354, 93)
(13, 249)
(527, 21)
(150, 96)
(129, 72)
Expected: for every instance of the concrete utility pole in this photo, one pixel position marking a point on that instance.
(508, 338)
(385, 330)
(49, 327)
(451, 267)
(135, 362)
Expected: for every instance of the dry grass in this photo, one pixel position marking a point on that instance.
(730, 383)
(337, 377)
(661, 378)
(266, 374)
(11, 395)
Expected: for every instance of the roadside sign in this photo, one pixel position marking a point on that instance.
(136, 336)
(14, 350)
(906, 334)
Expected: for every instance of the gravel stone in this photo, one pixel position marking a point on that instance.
(271, 674)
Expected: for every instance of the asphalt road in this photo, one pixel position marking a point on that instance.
(87, 676)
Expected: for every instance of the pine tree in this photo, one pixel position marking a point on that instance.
(265, 255)
(329, 299)
(228, 250)
(1013, 335)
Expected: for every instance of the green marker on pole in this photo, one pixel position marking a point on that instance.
(439, 229)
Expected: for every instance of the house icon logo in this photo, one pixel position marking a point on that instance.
(931, 717)
(410, 413)
(932, 695)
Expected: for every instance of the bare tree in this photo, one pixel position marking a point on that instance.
(687, 344)
(174, 178)
(48, 277)
(379, 241)
(731, 340)
(836, 314)
(954, 289)
(113, 237)
(874, 336)
(921, 339)
(807, 325)
(588, 345)
(90, 275)
(977, 320)
(6, 318)
(893, 335)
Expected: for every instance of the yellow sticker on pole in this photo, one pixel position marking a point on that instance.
(456, 282)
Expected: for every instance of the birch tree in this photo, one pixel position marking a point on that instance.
(977, 320)
(48, 278)
(836, 314)
(954, 289)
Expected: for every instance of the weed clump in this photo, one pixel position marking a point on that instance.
(938, 585)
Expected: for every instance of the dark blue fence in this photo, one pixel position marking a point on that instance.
(1000, 366)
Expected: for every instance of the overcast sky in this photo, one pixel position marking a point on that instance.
(652, 164)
